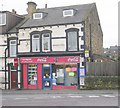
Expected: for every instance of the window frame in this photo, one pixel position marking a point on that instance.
(67, 32)
(9, 46)
(29, 72)
(40, 33)
(1, 21)
(36, 39)
(31, 35)
(50, 33)
(67, 10)
(43, 50)
(34, 15)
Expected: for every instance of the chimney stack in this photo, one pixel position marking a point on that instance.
(31, 8)
(13, 11)
(46, 5)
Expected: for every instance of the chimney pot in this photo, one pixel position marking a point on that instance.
(46, 5)
(13, 11)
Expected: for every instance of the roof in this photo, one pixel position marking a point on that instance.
(14, 29)
(55, 17)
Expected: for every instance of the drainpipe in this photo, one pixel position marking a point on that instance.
(91, 59)
(6, 62)
(5, 67)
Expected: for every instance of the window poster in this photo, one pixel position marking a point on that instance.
(71, 74)
(35, 76)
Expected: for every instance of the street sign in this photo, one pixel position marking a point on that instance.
(82, 72)
(86, 53)
(82, 81)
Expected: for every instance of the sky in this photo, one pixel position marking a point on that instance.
(107, 11)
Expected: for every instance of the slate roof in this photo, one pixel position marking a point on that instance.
(55, 17)
(14, 29)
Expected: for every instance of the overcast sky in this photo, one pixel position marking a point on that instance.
(107, 10)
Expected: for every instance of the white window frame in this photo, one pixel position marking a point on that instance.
(69, 10)
(44, 50)
(69, 45)
(12, 46)
(2, 15)
(35, 15)
(33, 38)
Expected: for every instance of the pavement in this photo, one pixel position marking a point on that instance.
(65, 91)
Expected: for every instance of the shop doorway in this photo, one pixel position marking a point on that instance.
(47, 76)
(13, 79)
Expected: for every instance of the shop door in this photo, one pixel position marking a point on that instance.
(47, 76)
(13, 79)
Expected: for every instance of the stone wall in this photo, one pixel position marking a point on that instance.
(96, 32)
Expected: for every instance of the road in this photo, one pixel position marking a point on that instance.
(87, 98)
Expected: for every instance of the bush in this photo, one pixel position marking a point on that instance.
(101, 82)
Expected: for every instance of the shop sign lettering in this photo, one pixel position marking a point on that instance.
(63, 59)
(75, 59)
(41, 60)
(69, 59)
(38, 60)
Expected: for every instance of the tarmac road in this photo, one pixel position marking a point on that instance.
(60, 98)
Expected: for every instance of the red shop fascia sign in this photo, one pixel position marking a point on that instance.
(64, 59)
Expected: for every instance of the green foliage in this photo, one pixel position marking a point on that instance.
(98, 82)
(118, 58)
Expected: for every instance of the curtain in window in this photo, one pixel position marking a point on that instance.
(35, 43)
(72, 41)
(13, 48)
(46, 42)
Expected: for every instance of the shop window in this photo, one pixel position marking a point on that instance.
(65, 74)
(13, 48)
(72, 39)
(35, 43)
(46, 42)
(60, 74)
(32, 74)
(71, 74)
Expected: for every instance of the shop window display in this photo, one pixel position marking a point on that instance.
(47, 75)
(64, 74)
(32, 74)
(46, 70)
(71, 74)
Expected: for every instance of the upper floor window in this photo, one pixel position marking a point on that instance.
(72, 39)
(68, 12)
(46, 42)
(37, 15)
(12, 48)
(40, 41)
(2, 19)
(35, 43)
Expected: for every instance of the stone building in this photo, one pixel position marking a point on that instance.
(46, 48)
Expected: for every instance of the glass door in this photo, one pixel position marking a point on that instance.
(47, 76)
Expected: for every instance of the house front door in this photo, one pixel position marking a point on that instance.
(13, 79)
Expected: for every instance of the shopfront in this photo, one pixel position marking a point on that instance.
(50, 72)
